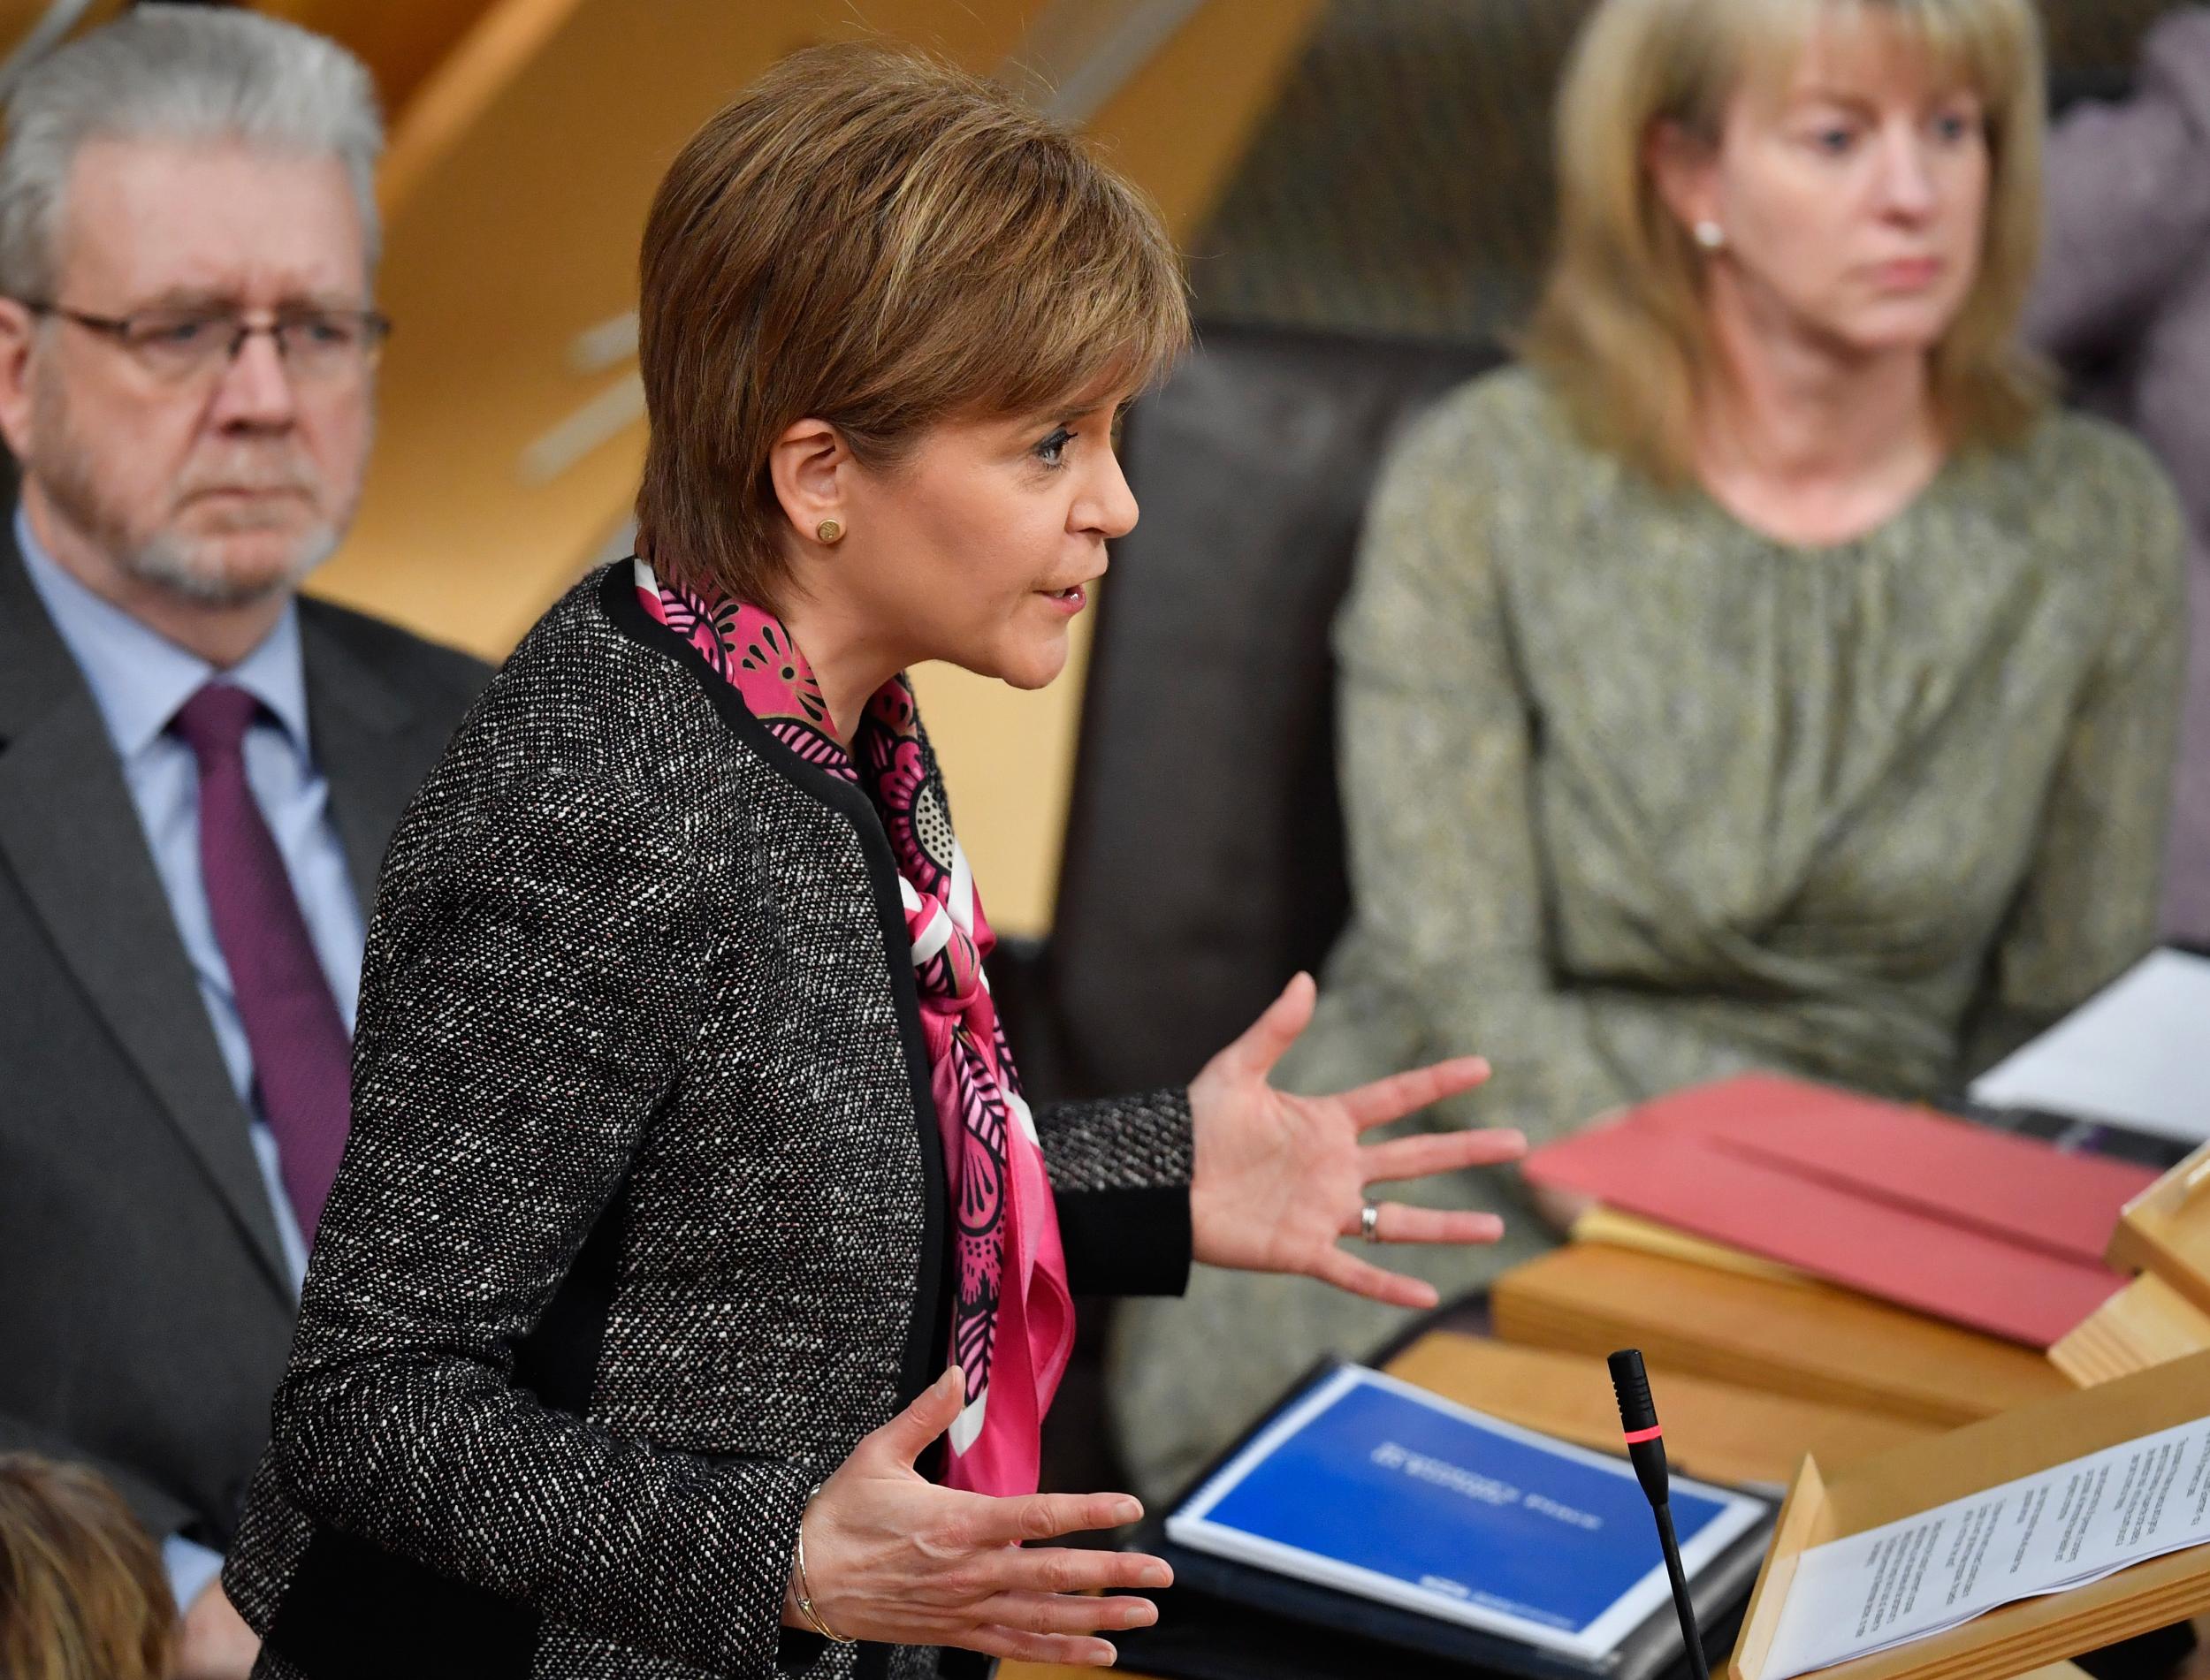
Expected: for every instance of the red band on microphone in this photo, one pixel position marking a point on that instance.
(1641, 1435)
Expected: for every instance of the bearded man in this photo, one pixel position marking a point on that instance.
(199, 770)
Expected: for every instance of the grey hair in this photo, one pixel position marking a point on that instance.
(184, 73)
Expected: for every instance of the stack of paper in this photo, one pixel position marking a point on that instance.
(1938, 1568)
(2132, 1055)
(1998, 1233)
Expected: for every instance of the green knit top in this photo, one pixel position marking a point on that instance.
(1637, 796)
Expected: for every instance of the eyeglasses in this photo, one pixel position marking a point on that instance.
(321, 345)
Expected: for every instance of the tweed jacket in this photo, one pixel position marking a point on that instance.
(642, 1224)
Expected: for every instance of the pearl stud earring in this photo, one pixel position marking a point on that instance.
(1711, 236)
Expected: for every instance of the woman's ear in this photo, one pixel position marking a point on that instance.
(1685, 170)
(811, 467)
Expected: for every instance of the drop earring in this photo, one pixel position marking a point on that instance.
(1709, 235)
(830, 531)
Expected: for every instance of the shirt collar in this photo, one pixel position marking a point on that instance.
(139, 677)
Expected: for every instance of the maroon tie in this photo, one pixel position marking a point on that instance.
(301, 1058)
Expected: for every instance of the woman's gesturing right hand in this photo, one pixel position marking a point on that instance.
(890, 1556)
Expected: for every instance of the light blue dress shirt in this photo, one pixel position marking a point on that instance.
(139, 679)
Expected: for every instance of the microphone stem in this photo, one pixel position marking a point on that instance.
(1680, 1604)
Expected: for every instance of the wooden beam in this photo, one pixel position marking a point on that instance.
(518, 179)
(402, 41)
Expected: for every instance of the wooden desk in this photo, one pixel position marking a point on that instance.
(1713, 1428)
(1808, 1341)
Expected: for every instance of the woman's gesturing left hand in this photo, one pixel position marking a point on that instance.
(1280, 1179)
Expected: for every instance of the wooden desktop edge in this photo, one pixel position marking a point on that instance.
(2166, 1230)
(1801, 1517)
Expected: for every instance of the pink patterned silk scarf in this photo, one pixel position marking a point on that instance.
(1013, 1317)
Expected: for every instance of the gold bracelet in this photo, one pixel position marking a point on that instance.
(805, 1590)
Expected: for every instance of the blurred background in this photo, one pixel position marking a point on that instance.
(1374, 167)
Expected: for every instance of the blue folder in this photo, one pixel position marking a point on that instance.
(1372, 1488)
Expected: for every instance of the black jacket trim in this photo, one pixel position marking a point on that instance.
(1130, 1241)
(557, 1360)
(357, 1612)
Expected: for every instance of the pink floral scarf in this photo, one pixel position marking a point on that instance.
(1012, 1323)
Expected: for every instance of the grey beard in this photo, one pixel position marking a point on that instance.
(167, 563)
(69, 476)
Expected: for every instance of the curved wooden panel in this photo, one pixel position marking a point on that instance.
(402, 44)
(518, 178)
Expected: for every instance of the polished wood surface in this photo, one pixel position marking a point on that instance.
(2145, 1324)
(1601, 1224)
(402, 44)
(1716, 1430)
(1808, 1341)
(2166, 1230)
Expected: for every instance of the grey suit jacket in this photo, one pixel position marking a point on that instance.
(145, 1305)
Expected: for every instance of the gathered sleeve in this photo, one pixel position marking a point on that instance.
(1449, 953)
(529, 999)
(2087, 910)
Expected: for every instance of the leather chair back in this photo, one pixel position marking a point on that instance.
(1204, 849)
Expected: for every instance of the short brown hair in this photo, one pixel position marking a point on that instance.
(82, 1595)
(1621, 333)
(871, 238)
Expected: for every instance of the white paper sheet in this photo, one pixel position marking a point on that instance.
(2063, 1528)
(2137, 1053)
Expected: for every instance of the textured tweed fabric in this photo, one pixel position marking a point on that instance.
(1638, 797)
(641, 1225)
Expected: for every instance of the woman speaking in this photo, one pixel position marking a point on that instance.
(687, 1151)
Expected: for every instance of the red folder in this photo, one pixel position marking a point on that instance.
(1999, 1233)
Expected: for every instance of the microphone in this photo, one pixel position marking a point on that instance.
(1646, 1446)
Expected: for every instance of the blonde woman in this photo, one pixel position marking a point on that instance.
(697, 1280)
(1762, 676)
(82, 1594)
